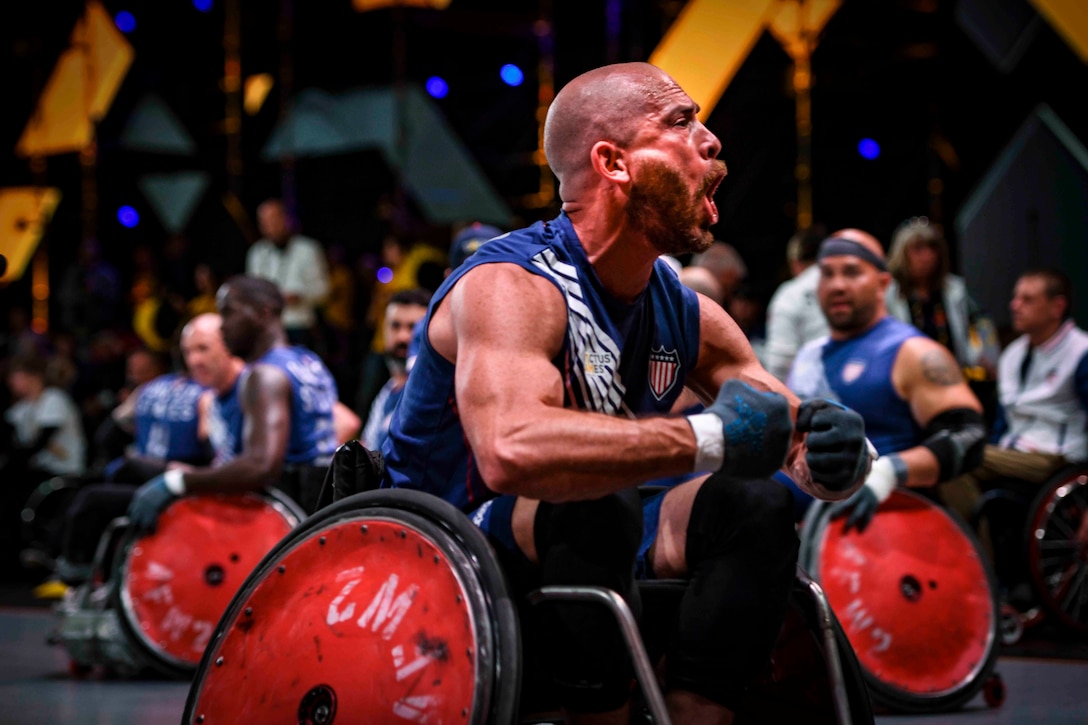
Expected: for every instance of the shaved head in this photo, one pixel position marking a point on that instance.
(604, 104)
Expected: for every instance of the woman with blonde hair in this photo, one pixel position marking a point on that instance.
(925, 293)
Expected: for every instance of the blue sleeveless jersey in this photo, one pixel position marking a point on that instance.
(617, 359)
(166, 419)
(225, 423)
(858, 373)
(313, 395)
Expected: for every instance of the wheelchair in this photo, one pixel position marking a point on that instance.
(1040, 536)
(389, 606)
(152, 601)
(917, 600)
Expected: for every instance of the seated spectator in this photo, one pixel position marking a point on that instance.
(404, 310)
(1042, 386)
(45, 440)
(926, 294)
(727, 266)
(794, 316)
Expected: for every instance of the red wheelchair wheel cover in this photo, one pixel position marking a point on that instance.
(388, 634)
(177, 582)
(913, 596)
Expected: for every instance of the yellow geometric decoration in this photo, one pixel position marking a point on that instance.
(81, 88)
(1070, 19)
(364, 5)
(710, 40)
(24, 213)
(256, 90)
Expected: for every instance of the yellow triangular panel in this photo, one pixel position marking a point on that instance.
(793, 16)
(1070, 19)
(24, 212)
(81, 88)
(707, 44)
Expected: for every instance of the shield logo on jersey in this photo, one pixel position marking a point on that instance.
(664, 367)
(852, 370)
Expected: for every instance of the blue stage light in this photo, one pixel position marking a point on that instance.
(437, 87)
(385, 275)
(128, 216)
(125, 21)
(511, 75)
(203, 5)
(868, 148)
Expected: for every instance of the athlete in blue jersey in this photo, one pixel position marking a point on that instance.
(286, 397)
(539, 400)
(919, 412)
(172, 402)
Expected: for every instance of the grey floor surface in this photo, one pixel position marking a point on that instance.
(35, 687)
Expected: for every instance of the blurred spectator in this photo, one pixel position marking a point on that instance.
(404, 310)
(296, 264)
(746, 309)
(467, 241)
(727, 266)
(19, 339)
(926, 294)
(408, 265)
(206, 282)
(338, 314)
(794, 316)
(47, 436)
(62, 370)
(90, 292)
(703, 281)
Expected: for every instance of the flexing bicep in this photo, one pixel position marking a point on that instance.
(927, 376)
(508, 324)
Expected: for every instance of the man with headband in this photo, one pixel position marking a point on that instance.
(919, 412)
(541, 393)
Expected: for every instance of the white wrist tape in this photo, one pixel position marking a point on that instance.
(175, 481)
(709, 440)
(882, 478)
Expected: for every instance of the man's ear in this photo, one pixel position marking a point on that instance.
(610, 162)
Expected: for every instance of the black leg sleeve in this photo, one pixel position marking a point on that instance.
(589, 543)
(742, 553)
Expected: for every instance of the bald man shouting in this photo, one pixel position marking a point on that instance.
(919, 412)
(541, 394)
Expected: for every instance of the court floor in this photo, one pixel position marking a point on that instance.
(35, 687)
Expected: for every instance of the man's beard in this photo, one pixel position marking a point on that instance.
(858, 320)
(661, 209)
(397, 361)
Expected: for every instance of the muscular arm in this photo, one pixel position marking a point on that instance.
(266, 407)
(503, 326)
(927, 376)
(724, 353)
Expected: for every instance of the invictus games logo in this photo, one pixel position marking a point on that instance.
(664, 367)
(599, 363)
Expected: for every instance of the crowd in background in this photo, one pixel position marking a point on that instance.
(112, 333)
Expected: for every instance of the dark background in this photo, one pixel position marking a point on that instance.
(903, 72)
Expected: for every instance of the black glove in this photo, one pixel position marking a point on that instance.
(756, 428)
(150, 501)
(837, 456)
(861, 507)
(354, 469)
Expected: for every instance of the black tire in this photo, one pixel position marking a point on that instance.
(1055, 558)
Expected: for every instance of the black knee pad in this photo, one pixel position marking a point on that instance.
(590, 543)
(741, 554)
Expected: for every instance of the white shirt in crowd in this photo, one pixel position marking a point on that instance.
(793, 318)
(65, 452)
(297, 269)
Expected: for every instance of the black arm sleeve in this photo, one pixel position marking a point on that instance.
(957, 438)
